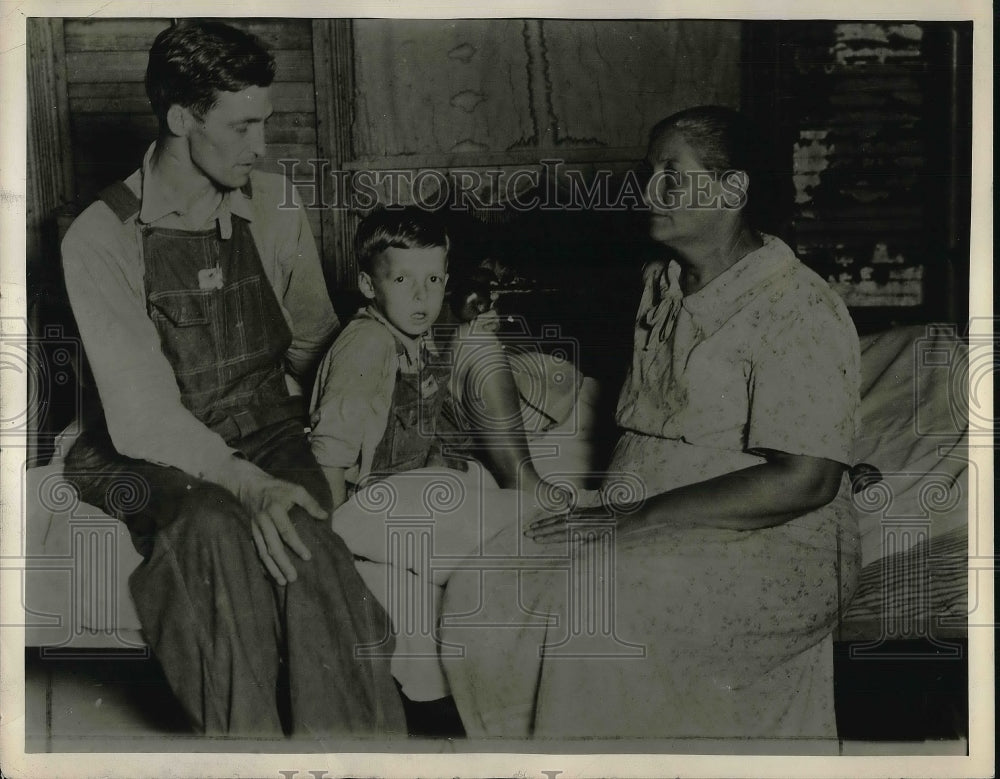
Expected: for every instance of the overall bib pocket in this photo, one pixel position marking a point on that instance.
(183, 320)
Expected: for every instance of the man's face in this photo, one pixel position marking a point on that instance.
(226, 142)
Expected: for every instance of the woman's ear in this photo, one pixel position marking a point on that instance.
(735, 189)
(179, 120)
(366, 286)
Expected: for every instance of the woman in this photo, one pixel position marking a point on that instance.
(726, 492)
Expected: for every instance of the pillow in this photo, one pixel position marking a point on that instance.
(914, 430)
(919, 593)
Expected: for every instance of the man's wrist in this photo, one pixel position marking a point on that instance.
(234, 473)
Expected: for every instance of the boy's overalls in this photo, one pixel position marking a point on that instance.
(420, 431)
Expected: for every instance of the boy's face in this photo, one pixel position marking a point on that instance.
(407, 286)
(226, 142)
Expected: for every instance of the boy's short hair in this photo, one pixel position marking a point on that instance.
(194, 60)
(410, 227)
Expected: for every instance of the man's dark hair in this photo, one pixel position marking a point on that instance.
(410, 227)
(192, 61)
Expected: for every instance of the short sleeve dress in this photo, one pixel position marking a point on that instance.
(699, 632)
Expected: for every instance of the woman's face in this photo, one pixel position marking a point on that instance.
(687, 201)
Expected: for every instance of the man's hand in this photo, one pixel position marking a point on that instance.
(268, 501)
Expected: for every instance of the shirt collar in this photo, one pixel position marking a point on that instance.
(160, 200)
(412, 347)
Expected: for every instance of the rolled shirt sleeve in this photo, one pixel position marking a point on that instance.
(288, 250)
(352, 396)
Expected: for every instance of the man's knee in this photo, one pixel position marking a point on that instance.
(317, 535)
(209, 515)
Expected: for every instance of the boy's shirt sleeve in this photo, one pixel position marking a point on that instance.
(352, 396)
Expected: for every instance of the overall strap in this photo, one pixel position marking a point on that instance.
(120, 199)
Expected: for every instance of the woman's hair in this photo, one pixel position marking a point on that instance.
(192, 61)
(726, 140)
(410, 227)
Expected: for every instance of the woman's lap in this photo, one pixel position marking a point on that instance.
(667, 626)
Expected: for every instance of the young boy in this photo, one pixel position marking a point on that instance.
(381, 389)
(377, 403)
(378, 410)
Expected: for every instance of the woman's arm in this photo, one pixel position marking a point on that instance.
(492, 404)
(338, 485)
(491, 399)
(765, 495)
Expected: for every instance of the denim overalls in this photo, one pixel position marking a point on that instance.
(242, 655)
(219, 322)
(420, 424)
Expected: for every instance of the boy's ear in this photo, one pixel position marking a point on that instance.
(366, 286)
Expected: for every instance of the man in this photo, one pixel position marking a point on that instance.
(196, 297)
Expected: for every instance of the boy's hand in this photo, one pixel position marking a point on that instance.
(268, 501)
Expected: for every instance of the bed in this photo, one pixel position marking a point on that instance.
(913, 510)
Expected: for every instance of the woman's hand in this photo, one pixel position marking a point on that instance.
(761, 496)
(587, 524)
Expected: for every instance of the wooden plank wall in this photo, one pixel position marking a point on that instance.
(49, 185)
(110, 118)
(49, 182)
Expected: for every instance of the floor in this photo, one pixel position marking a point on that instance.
(901, 690)
(74, 701)
(121, 702)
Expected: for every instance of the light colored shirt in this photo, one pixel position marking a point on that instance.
(104, 271)
(764, 357)
(353, 391)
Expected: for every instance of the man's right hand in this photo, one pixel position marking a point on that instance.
(268, 501)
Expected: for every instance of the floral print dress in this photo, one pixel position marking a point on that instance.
(703, 632)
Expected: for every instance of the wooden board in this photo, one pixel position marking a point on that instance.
(109, 97)
(130, 66)
(138, 34)
(291, 128)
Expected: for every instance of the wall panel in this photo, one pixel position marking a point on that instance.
(110, 118)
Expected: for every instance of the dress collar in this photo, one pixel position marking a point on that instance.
(717, 301)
